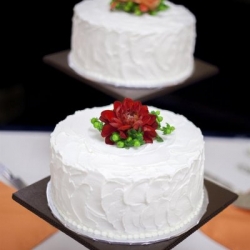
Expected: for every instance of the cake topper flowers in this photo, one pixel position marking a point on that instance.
(139, 7)
(130, 124)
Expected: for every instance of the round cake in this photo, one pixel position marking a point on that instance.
(135, 194)
(126, 50)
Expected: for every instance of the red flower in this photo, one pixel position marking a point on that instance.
(128, 115)
(151, 4)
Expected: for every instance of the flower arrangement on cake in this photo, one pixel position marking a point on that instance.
(139, 7)
(130, 124)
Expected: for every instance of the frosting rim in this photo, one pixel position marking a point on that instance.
(141, 239)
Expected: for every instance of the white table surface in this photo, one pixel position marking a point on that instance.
(27, 155)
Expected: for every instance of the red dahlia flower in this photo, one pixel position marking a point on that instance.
(128, 115)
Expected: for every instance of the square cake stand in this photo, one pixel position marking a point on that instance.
(202, 70)
(34, 198)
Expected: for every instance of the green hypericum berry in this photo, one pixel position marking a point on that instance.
(130, 4)
(120, 144)
(96, 125)
(115, 137)
(159, 118)
(139, 136)
(127, 8)
(168, 129)
(137, 11)
(93, 120)
(155, 112)
(153, 12)
(137, 143)
(129, 139)
(162, 7)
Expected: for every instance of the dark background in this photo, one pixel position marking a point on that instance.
(35, 96)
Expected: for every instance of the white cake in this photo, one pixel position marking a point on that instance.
(122, 49)
(126, 195)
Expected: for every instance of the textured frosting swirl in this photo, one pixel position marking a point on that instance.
(122, 49)
(81, 146)
(126, 192)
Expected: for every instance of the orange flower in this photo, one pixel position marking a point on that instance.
(151, 4)
(144, 5)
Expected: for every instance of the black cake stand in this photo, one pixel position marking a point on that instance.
(202, 70)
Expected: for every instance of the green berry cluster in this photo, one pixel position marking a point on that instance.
(168, 129)
(97, 123)
(134, 139)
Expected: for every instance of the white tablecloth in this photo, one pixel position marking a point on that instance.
(27, 154)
